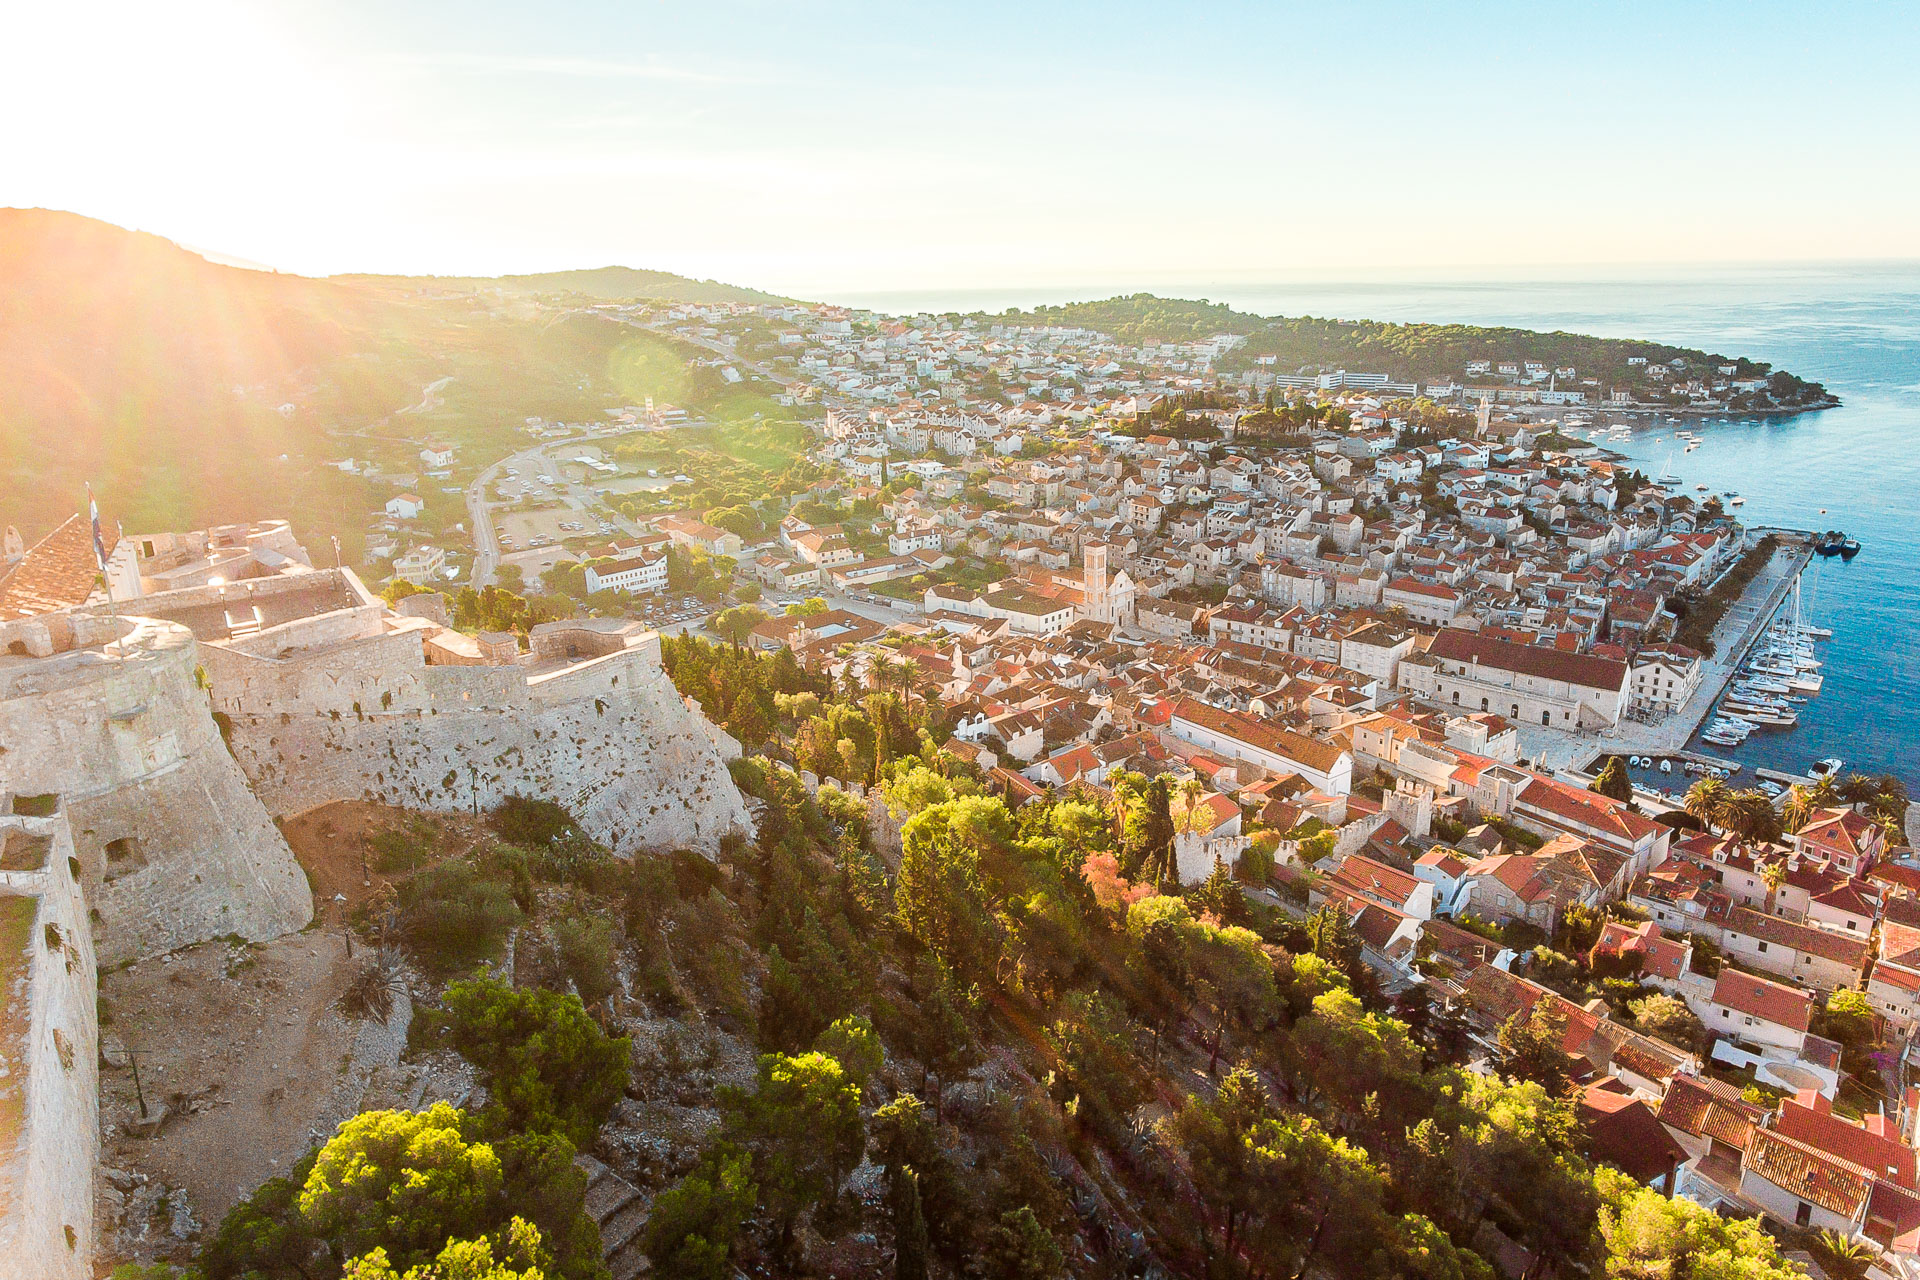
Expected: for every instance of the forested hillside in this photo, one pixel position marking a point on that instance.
(991, 1043)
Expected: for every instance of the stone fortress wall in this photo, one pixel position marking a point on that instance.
(143, 759)
(49, 1053)
(345, 706)
(174, 846)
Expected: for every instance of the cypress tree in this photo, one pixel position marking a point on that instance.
(909, 1225)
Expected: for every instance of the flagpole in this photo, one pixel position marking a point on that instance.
(100, 558)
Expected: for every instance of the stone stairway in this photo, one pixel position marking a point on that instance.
(615, 1204)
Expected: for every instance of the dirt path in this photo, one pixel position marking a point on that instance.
(242, 1043)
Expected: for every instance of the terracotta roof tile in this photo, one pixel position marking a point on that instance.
(1836, 1185)
(57, 572)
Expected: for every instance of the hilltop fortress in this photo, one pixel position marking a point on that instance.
(147, 747)
(177, 726)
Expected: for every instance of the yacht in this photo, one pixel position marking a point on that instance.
(1828, 768)
(1783, 719)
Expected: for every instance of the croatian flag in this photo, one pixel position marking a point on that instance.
(99, 543)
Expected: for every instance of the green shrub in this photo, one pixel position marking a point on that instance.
(395, 851)
(547, 1064)
(454, 916)
(530, 823)
(584, 947)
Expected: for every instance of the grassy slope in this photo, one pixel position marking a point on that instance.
(160, 378)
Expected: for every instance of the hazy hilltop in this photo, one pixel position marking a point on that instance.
(607, 284)
(189, 391)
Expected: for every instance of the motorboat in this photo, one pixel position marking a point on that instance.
(1828, 768)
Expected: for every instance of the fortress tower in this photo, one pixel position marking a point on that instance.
(173, 845)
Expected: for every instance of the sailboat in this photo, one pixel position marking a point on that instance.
(1666, 475)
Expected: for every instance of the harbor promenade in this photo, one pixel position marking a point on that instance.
(1732, 637)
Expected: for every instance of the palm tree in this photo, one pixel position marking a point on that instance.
(1895, 829)
(906, 671)
(1804, 800)
(1707, 801)
(1750, 815)
(1185, 812)
(1891, 799)
(1800, 807)
(881, 671)
(1775, 874)
(1858, 789)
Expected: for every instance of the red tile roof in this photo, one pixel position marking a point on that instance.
(1624, 1132)
(1580, 669)
(1709, 1108)
(1809, 1118)
(57, 572)
(1744, 993)
(1836, 1185)
(1264, 734)
(1824, 943)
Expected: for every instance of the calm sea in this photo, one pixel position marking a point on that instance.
(1857, 467)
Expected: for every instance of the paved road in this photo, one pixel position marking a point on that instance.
(540, 459)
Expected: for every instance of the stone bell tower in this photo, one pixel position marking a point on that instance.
(1093, 577)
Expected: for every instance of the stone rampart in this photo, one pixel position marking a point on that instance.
(609, 737)
(49, 1055)
(174, 846)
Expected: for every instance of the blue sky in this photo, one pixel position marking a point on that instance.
(822, 147)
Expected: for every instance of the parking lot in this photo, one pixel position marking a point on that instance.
(520, 530)
(672, 613)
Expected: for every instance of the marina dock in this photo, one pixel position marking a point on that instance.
(1726, 660)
